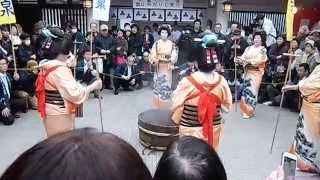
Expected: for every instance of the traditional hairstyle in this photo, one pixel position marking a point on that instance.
(263, 36)
(190, 158)
(56, 42)
(81, 154)
(164, 28)
(206, 63)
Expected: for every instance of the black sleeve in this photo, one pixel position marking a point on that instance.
(97, 45)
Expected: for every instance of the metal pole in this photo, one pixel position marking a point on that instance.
(98, 77)
(235, 77)
(281, 103)
(74, 53)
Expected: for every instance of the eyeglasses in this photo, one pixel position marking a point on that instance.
(104, 29)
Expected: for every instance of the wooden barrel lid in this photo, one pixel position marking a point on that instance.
(157, 120)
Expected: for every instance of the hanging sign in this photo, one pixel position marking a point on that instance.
(158, 4)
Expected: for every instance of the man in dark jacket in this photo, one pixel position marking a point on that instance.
(25, 51)
(235, 42)
(221, 47)
(105, 44)
(126, 75)
(6, 111)
(24, 85)
(78, 38)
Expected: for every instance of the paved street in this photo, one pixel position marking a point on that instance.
(244, 149)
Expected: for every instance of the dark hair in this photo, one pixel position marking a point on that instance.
(263, 36)
(210, 23)
(81, 154)
(24, 36)
(317, 45)
(199, 54)
(197, 20)
(283, 36)
(121, 30)
(56, 42)
(135, 25)
(297, 40)
(260, 16)
(147, 27)
(305, 66)
(86, 49)
(3, 57)
(190, 158)
(4, 28)
(155, 25)
(164, 28)
(114, 28)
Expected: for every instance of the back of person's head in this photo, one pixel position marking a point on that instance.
(56, 42)
(190, 158)
(206, 63)
(82, 154)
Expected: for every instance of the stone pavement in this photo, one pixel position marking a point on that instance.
(244, 149)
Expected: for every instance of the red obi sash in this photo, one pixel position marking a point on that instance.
(41, 91)
(207, 107)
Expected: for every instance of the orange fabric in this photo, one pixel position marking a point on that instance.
(41, 91)
(245, 108)
(314, 97)
(158, 103)
(207, 108)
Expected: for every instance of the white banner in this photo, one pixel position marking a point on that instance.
(158, 4)
(101, 9)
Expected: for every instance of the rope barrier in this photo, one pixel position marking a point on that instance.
(148, 72)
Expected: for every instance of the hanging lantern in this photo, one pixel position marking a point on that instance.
(227, 6)
(87, 4)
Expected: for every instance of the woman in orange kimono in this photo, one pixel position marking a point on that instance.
(57, 91)
(307, 139)
(253, 60)
(199, 99)
(163, 55)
